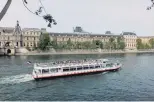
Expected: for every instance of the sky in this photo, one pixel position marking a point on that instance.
(95, 16)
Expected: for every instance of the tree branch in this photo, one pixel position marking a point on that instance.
(4, 10)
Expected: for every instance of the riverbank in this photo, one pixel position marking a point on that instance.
(84, 52)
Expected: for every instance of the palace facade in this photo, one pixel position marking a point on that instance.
(14, 38)
(11, 39)
(145, 39)
(82, 37)
(130, 40)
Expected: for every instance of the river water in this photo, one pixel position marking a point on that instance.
(135, 81)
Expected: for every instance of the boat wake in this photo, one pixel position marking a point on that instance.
(16, 79)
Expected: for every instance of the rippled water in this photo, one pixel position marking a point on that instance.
(135, 81)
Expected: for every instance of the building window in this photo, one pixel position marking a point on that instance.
(17, 44)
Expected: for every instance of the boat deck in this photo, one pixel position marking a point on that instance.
(68, 63)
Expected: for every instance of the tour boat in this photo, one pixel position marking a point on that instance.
(69, 68)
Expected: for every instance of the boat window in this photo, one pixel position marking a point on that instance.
(72, 69)
(97, 66)
(65, 70)
(39, 70)
(86, 67)
(45, 70)
(54, 70)
(79, 68)
(108, 65)
(91, 67)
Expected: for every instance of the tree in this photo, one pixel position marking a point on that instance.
(54, 43)
(48, 18)
(119, 39)
(107, 45)
(151, 41)
(122, 45)
(44, 42)
(78, 45)
(69, 44)
(86, 45)
(146, 46)
(140, 45)
(152, 5)
(111, 43)
(98, 44)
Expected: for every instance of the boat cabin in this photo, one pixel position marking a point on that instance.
(46, 69)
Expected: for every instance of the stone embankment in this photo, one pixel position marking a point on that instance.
(85, 52)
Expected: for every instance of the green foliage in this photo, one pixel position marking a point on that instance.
(140, 45)
(44, 42)
(112, 44)
(121, 45)
(146, 46)
(151, 41)
(54, 43)
(111, 40)
(98, 43)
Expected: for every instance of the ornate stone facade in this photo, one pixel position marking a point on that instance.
(15, 38)
(130, 40)
(81, 37)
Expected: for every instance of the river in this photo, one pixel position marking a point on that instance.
(134, 82)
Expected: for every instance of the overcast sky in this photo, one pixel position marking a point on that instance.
(96, 16)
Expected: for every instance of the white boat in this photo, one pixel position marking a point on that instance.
(69, 68)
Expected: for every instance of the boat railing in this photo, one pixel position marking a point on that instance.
(67, 63)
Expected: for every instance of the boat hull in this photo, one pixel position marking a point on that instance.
(75, 74)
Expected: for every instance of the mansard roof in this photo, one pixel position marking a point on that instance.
(82, 34)
(7, 29)
(30, 29)
(128, 33)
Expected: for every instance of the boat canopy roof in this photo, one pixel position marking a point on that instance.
(68, 64)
